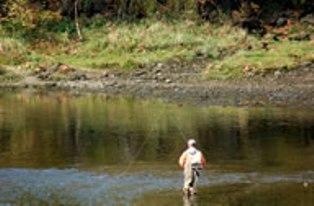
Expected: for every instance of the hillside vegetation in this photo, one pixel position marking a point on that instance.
(237, 38)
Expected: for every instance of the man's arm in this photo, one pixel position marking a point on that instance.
(203, 160)
(182, 159)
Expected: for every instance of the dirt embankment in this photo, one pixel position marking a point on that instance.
(180, 82)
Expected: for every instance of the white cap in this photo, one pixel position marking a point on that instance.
(191, 142)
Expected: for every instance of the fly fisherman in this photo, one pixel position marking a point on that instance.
(192, 161)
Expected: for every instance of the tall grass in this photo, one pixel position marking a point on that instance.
(128, 45)
(12, 51)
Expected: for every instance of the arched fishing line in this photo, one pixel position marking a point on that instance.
(183, 136)
(128, 167)
(131, 163)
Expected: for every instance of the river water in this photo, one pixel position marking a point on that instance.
(61, 148)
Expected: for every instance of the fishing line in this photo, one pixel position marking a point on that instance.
(131, 163)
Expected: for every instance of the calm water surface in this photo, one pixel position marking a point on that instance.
(59, 148)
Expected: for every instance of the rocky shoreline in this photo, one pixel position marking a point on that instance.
(179, 82)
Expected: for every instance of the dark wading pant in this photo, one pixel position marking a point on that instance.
(195, 173)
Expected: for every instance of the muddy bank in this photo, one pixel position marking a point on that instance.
(180, 82)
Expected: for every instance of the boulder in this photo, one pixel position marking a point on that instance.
(308, 19)
(300, 37)
(254, 26)
(277, 74)
(281, 21)
(65, 69)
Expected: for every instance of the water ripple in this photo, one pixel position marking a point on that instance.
(72, 186)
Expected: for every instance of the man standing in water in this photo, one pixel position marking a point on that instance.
(192, 161)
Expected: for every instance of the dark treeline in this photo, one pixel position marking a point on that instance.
(207, 9)
(253, 15)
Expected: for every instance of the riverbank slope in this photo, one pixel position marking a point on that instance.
(183, 60)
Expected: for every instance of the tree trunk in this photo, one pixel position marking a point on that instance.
(76, 19)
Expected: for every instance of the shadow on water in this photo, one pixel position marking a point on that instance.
(276, 194)
(121, 148)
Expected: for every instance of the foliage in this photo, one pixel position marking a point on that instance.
(28, 15)
(33, 12)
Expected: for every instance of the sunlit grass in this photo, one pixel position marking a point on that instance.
(280, 55)
(128, 45)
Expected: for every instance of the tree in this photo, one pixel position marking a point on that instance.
(76, 17)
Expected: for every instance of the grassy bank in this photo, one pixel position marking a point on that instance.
(230, 52)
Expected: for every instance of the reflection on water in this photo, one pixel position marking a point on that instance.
(59, 130)
(131, 147)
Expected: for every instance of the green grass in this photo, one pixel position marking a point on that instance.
(128, 45)
(14, 52)
(284, 55)
(7, 75)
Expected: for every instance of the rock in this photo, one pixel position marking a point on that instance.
(168, 81)
(281, 21)
(156, 71)
(300, 37)
(78, 76)
(250, 74)
(105, 74)
(54, 68)
(50, 85)
(277, 74)
(254, 26)
(65, 69)
(43, 75)
(246, 69)
(306, 64)
(39, 70)
(305, 184)
(265, 45)
(309, 19)
(30, 80)
(111, 84)
(276, 37)
(307, 69)
(159, 65)
(200, 53)
(139, 73)
(236, 16)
